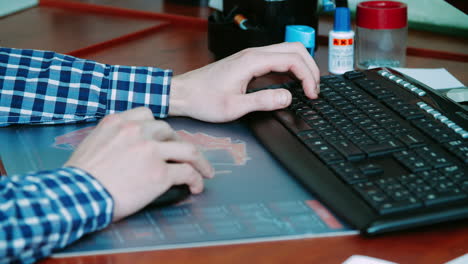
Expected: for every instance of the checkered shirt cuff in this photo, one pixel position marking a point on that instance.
(45, 211)
(132, 86)
(44, 87)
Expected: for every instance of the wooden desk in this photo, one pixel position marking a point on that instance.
(141, 32)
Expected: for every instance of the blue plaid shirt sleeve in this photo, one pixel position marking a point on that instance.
(45, 211)
(44, 87)
(48, 210)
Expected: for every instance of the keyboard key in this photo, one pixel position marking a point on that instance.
(440, 198)
(331, 157)
(317, 144)
(382, 202)
(436, 130)
(348, 173)
(400, 195)
(348, 150)
(388, 184)
(372, 193)
(410, 139)
(308, 134)
(430, 175)
(352, 75)
(434, 157)
(399, 206)
(459, 148)
(455, 172)
(464, 185)
(383, 137)
(371, 169)
(412, 113)
(382, 148)
(412, 161)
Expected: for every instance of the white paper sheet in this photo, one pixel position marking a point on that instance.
(359, 259)
(460, 260)
(438, 78)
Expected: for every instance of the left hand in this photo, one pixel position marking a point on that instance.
(137, 158)
(217, 92)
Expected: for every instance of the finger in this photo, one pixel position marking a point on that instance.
(158, 130)
(183, 152)
(266, 62)
(109, 122)
(182, 173)
(301, 50)
(265, 100)
(137, 114)
(295, 47)
(143, 118)
(107, 127)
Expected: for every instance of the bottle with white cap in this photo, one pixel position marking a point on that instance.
(341, 43)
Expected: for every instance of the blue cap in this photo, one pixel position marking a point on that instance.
(342, 19)
(303, 34)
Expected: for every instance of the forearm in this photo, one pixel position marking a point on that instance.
(45, 211)
(47, 87)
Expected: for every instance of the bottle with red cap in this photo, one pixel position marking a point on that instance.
(381, 33)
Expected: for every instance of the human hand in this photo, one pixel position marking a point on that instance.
(137, 158)
(217, 92)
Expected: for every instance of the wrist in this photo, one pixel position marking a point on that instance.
(177, 102)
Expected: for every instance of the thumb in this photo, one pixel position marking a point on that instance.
(264, 100)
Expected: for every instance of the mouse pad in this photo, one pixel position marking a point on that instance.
(252, 197)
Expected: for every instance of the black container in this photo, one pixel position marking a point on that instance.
(268, 18)
(190, 2)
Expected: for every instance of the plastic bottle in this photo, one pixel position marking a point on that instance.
(303, 34)
(341, 43)
(381, 34)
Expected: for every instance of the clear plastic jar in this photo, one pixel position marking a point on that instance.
(381, 34)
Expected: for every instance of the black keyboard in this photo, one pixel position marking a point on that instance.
(383, 151)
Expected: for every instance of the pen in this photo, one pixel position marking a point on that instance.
(243, 22)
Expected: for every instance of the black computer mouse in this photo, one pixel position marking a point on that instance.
(174, 195)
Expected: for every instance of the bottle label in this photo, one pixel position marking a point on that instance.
(341, 55)
(342, 42)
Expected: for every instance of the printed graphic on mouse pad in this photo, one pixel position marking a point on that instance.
(218, 150)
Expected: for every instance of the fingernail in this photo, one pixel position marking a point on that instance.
(211, 173)
(282, 98)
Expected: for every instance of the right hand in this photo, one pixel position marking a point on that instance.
(218, 91)
(137, 158)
